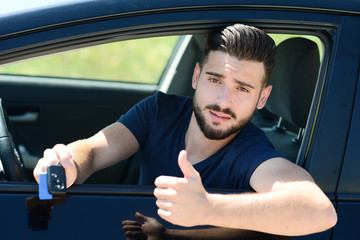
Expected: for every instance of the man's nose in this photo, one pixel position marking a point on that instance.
(224, 98)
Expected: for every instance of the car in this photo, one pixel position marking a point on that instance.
(70, 68)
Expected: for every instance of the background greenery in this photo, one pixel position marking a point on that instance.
(138, 61)
(141, 60)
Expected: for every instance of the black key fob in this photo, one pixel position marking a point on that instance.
(56, 180)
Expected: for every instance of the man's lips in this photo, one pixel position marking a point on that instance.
(217, 111)
(219, 116)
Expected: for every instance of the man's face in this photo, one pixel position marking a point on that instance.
(227, 92)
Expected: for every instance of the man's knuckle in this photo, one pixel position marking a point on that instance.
(48, 151)
(58, 146)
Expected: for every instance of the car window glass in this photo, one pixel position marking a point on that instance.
(136, 61)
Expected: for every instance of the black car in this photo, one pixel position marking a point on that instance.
(70, 68)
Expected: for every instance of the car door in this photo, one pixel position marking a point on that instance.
(95, 211)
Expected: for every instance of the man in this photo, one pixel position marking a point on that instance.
(218, 142)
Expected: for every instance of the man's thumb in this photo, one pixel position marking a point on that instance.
(186, 167)
(140, 217)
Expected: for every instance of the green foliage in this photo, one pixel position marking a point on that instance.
(141, 60)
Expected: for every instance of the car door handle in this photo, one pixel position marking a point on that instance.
(26, 117)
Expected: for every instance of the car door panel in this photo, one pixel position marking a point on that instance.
(68, 217)
(30, 218)
(47, 111)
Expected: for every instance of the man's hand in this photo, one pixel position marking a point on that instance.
(58, 154)
(182, 201)
(151, 229)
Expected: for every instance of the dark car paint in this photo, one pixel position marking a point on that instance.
(329, 151)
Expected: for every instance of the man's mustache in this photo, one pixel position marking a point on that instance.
(217, 108)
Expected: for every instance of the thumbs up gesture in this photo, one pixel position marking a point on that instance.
(182, 201)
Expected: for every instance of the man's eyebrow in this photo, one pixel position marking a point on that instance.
(235, 80)
(215, 74)
(244, 83)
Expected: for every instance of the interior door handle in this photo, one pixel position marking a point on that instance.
(26, 117)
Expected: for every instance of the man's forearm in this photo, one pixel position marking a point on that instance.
(285, 212)
(107, 147)
(218, 234)
(83, 159)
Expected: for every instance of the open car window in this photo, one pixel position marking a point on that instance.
(170, 61)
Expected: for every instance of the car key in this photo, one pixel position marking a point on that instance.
(56, 179)
(43, 187)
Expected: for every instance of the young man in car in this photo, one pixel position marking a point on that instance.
(218, 142)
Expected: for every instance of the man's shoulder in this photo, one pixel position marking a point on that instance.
(254, 142)
(160, 96)
(172, 102)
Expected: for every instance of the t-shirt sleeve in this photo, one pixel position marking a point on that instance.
(257, 149)
(140, 117)
(263, 153)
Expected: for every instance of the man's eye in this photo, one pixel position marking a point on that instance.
(214, 80)
(243, 89)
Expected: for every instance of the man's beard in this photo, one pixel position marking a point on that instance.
(218, 134)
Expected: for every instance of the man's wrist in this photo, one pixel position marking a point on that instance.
(212, 213)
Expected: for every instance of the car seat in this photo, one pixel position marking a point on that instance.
(294, 79)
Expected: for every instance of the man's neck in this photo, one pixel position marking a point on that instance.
(199, 147)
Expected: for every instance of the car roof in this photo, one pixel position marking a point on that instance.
(24, 15)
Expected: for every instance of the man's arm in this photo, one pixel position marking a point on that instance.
(287, 202)
(84, 157)
(151, 229)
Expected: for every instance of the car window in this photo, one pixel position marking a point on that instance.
(144, 61)
(136, 61)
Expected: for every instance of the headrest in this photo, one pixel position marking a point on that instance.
(294, 78)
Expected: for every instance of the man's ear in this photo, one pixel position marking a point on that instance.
(265, 93)
(196, 75)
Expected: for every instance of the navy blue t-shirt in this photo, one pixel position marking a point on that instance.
(159, 124)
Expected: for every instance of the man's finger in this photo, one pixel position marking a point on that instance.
(164, 193)
(141, 217)
(50, 158)
(186, 167)
(163, 204)
(130, 223)
(131, 227)
(164, 214)
(168, 181)
(65, 156)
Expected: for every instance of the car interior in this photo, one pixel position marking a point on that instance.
(284, 117)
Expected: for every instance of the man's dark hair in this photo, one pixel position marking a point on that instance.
(244, 43)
